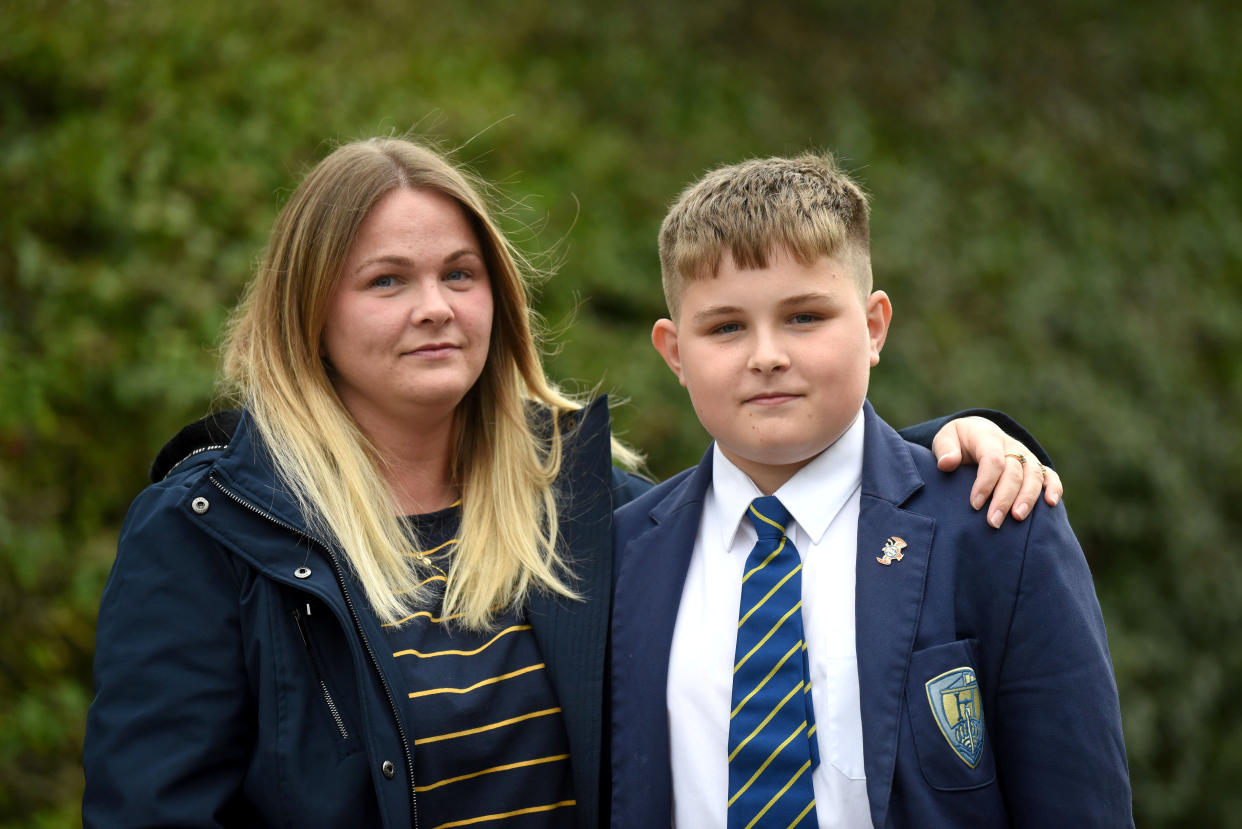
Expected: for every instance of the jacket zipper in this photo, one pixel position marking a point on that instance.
(340, 580)
(323, 685)
(197, 451)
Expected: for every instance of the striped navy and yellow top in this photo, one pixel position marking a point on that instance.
(490, 748)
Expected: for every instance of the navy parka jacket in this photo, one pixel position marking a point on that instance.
(242, 679)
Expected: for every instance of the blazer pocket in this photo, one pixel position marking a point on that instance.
(947, 717)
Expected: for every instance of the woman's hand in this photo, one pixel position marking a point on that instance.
(1008, 471)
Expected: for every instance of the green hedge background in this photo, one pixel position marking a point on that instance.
(1058, 218)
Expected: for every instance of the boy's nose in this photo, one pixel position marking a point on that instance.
(768, 355)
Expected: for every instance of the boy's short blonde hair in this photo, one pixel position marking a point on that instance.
(806, 205)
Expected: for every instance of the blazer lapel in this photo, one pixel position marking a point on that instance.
(888, 599)
(651, 571)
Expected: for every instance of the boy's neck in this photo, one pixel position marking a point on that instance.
(769, 477)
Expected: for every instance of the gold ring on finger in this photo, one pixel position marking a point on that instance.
(1018, 455)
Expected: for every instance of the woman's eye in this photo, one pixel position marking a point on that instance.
(456, 276)
(383, 281)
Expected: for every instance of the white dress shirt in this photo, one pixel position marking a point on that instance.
(823, 499)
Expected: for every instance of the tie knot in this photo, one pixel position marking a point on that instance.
(769, 516)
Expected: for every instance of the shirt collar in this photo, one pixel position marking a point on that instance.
(813, 496)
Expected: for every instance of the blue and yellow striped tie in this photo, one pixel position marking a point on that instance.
(772, 742)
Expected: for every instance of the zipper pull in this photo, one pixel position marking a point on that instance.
(297, 620)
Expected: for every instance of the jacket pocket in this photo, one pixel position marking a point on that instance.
(302, 621)
(947, 717)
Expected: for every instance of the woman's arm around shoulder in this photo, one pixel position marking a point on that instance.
(1013, 468)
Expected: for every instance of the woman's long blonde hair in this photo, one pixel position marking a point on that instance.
(507, 544)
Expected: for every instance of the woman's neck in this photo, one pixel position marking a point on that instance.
(422, 489)
(416, 463)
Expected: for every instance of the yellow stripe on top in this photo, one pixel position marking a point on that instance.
(425, 615)
(514, 813)
(506, 767)
(480, 649)
(433, 550)
(491, 681)
(452, 735)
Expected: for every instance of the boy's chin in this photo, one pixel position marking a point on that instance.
(774, 458)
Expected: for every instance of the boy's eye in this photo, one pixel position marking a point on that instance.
(804, 319)
(727, 328)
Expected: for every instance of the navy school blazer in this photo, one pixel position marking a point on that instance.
(1012, 610)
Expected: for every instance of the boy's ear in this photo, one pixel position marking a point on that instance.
(879, 315)
(664, 338)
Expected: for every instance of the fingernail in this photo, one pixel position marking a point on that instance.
(1020, 511)
(996, 518)
(977, 501)
(1056, 498)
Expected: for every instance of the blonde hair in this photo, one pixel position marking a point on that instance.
(507, 544)
(806, 205)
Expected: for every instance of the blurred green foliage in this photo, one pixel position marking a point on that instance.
(1058, 218)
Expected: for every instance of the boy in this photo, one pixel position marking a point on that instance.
(860, 649)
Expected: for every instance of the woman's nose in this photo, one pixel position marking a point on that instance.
(432, 306)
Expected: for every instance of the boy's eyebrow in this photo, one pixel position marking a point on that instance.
(713, 311)
(810, 296)
(717, 311)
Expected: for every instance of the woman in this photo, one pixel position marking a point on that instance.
(379, 595)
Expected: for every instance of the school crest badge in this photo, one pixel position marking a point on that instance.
(958, 709)
(892, 551)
